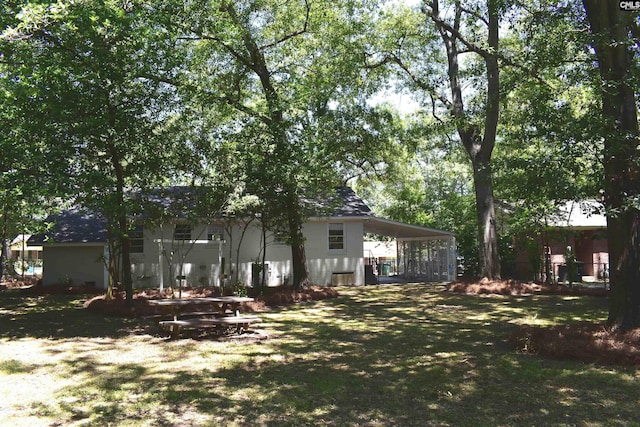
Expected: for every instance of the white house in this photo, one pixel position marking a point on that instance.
(76, 249)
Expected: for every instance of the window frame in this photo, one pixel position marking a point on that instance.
(336, 236)
(180, 232)
(280, 237)
(216, 231)
(136, 240)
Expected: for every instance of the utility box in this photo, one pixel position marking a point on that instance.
(343, 278)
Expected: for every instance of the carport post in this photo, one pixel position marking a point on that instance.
(452, 262)
(160, 268)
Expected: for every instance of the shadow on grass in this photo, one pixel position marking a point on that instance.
(377, 356)
(55, 316)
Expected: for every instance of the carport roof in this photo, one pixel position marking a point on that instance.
(401, 230)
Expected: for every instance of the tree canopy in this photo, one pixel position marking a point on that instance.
(527, 104)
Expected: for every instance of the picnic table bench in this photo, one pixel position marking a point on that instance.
(221, 313)
(241, 324)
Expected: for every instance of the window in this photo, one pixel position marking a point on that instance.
(280, 237)
(182, 232)
(215, 232)
(336, 236)
(136, 240)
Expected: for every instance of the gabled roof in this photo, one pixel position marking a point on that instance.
(79, 225)
(23, 239)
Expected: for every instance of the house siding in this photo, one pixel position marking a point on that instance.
(158, 259)
(80, 264)
(202, 266)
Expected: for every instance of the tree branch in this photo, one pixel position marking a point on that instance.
(454, 31)
(227, 99)
(237, 55)
(293, 34)
(454, 34)
(474, 14)
(420, 82)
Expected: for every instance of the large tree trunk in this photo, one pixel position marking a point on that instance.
(3, 236)
(126, 259)
(3, 247)
(479, 146)
(123, 230)
(299, 261)
(488, 236)
(298, 254)
(121, 216)
(611, 34)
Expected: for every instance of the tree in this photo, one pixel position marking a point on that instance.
(616, 35)
(85, 64)
(548, 152)
(415, 48)
(31, 173)
(286, 70)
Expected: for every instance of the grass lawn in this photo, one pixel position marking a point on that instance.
(375, 356)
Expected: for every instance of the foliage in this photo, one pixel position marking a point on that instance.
(100, 101)
(428, 48)
(548, 151)
(30, 170)
(239, 289)
(285, 80)
(84, 67)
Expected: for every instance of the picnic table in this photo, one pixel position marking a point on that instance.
(221, 313)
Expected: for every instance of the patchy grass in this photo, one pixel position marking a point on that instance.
(587, 340)
(407, 355)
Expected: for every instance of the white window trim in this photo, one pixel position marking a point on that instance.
(138, 229)
(344, 239)
(279, 238)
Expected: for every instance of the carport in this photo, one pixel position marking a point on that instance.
(423, 254)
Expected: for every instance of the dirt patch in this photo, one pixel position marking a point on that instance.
(514, 287)
(15, 283)
(590, 342)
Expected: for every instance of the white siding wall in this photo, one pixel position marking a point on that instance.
(278, 256)
(82, 264)
(201, 265)
(322, 262)
(200, 261)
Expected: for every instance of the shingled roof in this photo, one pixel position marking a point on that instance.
(344, 202)
(79, 225)
(73, 226)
